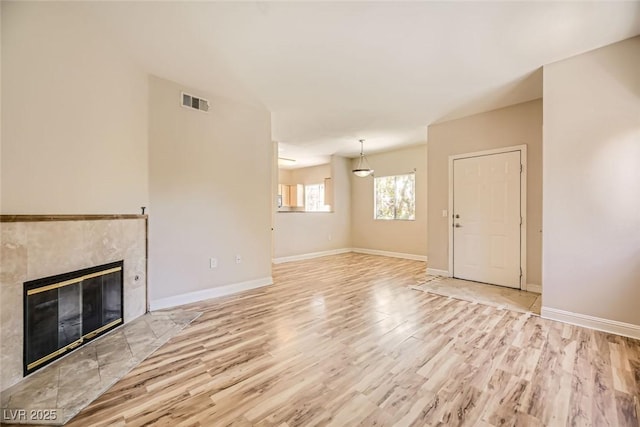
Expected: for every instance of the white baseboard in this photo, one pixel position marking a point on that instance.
(597, 323)
(346, 250)
(534, 287)
(390, 254)
(204, 294)
(436, 272)
(310, 255)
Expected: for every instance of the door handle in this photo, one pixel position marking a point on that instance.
(457, 225)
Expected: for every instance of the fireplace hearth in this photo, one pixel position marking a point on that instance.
(65, 311)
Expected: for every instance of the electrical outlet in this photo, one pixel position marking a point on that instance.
(213, 263)
(329, 237)
(238, 259)
(444, 213)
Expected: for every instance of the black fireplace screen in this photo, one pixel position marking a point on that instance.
(65, 311)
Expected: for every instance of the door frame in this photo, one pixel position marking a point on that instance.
(523, 204)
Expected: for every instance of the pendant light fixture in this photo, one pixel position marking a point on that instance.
(363, 169)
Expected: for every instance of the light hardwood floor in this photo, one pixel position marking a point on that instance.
(341, 340)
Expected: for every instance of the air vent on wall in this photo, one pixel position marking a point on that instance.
(194, 102)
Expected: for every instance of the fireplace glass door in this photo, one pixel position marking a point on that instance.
(54, 320)
(63, 312)
(101, 302)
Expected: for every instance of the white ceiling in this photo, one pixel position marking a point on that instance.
(332, 73)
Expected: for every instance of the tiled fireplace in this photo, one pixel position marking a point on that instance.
(85, 275)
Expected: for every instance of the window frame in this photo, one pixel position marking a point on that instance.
(321, 190)
(395, 209)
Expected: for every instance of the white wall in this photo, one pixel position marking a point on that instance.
(210, 190)
(591, 175)
(74, 116)
(407, 237)
(299, 233)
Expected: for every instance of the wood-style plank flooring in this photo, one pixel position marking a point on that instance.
(341, 340)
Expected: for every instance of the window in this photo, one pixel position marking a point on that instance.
(395, 197)
(314, 198)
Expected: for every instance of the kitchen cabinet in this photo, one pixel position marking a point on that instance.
(328, 191)
(292, 196)
(296, 195)
(283, 192)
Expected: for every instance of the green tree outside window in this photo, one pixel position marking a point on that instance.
(395, 197)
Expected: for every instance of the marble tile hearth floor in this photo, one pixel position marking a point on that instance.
(481, 293)
(71, 383)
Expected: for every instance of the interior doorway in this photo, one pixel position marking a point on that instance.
(487, 206)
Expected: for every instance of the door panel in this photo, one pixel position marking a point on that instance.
(486, 208)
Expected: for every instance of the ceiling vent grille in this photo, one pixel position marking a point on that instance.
(195, 103)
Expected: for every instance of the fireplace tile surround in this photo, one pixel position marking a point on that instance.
(33, 247)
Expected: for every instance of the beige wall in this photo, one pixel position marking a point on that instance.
(514, 125)
(591, 252)
(311, 175)
(407, 237)
(301, 233)
(284, 176)
(74, 116)
(305, 176)
(210, 191)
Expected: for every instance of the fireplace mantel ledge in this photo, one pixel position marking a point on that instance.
(93, 217)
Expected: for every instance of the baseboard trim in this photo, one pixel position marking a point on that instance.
(390, 254)
(436, 272)
(310, 255)
(205, 294)
(591, 322)
(534, 287)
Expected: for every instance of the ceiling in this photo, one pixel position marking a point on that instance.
(332, 73)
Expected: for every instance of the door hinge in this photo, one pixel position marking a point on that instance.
(521, 168)
(520, 220)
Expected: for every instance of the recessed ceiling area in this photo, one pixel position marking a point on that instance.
(332, 73)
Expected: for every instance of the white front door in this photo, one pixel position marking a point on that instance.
(487, 218)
